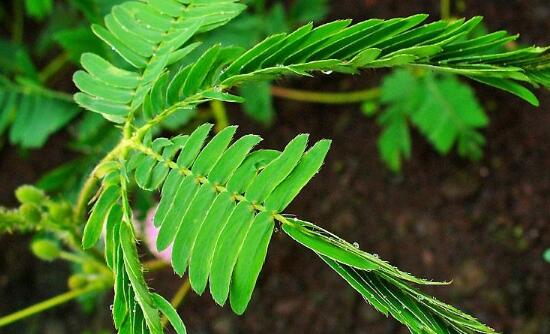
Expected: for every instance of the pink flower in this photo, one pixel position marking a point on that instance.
(151, 234)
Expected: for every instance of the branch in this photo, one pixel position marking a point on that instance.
(49, 303)
(326, 97)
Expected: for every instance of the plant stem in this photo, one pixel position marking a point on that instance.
(445, 9)
(220, 115)
(48, 303)
(154, 265)
(53, 67)
(17, 28)
(326, 97)
(178, 298)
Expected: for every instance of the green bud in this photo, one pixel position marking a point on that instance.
(59, 211)
(30, 212)
(45, 249)
(77, 281)
(30, 194)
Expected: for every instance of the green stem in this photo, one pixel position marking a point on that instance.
(154, 265)
(17, 28)
(326, 97)
(26, 86)
(49, 303)
(220, 115)
(70, 257)
(53, 67)
(445, 10)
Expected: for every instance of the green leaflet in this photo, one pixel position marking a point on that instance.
(112, 111)
(135, 275)
(116, 44)
(337, 42)
(227, 250)
(205, 244)
(176, 211)
(120, 307)
(193, 145)
(199, 71)
(232, 158)
(262, 47)
(250, 261)
(190, 226)
(100, 212)
(325, 246)
(173, 91)
(291, 43)
(442, 117)
(307, 167)
(511, 87)
(111, 235)
(143, 172)
(363, 58)
(168, 310)
(171, 186)
(129, 22)
(212, 151)
(246, 173)
(377, 301)
(221, 96)
(107, 73)
(277, 170)
(156, 101)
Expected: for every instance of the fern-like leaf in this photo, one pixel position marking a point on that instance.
(445, 111)
(383, 286)
(32, 113)
(219, 202)
(149, 36)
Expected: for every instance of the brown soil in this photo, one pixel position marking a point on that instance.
(485, 225)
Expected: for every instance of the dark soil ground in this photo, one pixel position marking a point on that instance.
(484, 225)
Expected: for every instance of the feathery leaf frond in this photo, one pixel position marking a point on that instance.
(219, 201)
(23, 108)
(149, 36)
(383, 286)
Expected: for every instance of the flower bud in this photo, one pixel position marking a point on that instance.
(30, 212)
(45, 249)
(30, 194)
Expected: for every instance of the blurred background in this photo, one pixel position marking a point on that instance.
(479, 218)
